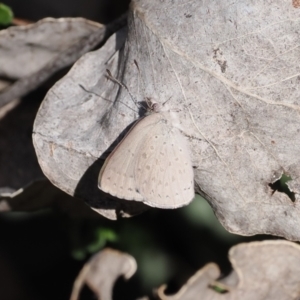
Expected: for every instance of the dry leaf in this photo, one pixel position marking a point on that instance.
(267, 270)
(231, 72)
(42, 194)
(32, 53)
(101, 272)
(29, 48)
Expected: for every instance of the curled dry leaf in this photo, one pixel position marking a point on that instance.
(231, 73)
(101, 272)
(266, 270)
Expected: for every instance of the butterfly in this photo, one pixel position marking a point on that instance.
(151, 164)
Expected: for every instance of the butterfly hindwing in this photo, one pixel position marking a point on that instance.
(165, 174)
(151, 164)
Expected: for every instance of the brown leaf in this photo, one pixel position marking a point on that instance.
(101, 272)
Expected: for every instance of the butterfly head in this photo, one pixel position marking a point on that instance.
(154, 107)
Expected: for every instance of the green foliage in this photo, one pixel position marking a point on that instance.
(281, 185)
(200, 214)
(101, 236)
(284, 187)
(6, 14)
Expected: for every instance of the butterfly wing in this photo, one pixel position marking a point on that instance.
(117, 176)
(164, 173)
(151, 164)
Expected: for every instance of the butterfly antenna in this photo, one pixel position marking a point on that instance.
(112, 78)
(167, 100)
(91, 92)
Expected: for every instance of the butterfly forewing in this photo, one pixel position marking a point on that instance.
(117, 176)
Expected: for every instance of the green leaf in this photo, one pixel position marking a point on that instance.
(219, 288)
(6, 14)
(102, 236)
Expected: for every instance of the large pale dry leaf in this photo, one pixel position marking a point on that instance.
(232, 74)
(101, 272)
(266, 270)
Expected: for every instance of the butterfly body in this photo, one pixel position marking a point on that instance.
(151, 164)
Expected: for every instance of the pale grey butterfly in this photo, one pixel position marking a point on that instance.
(151, 164)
